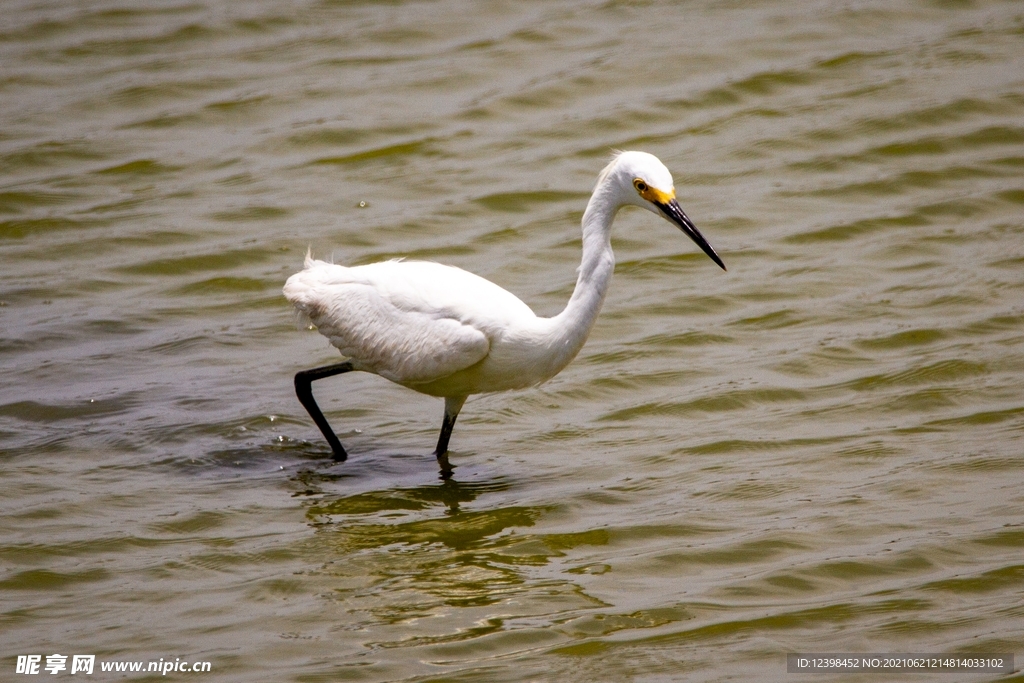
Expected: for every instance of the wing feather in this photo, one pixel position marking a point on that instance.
(385, 324)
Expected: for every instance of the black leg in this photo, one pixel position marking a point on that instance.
(442, 445)
(452, 406)
(304, 391)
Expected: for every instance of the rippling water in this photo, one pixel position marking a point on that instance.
(819, 450)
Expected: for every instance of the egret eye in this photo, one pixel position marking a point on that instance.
(640, 185)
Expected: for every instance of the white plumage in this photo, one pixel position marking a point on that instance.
(446, 332)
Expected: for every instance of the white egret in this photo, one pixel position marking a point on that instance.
(446, 332)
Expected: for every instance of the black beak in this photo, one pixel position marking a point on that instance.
(674, 213)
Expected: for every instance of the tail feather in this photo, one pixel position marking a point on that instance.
(309, 290)
(301, 294)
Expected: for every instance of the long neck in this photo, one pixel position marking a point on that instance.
(572, 326)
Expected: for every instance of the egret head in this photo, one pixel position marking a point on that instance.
(642, 180)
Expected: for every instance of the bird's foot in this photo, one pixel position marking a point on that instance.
(446, 469)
